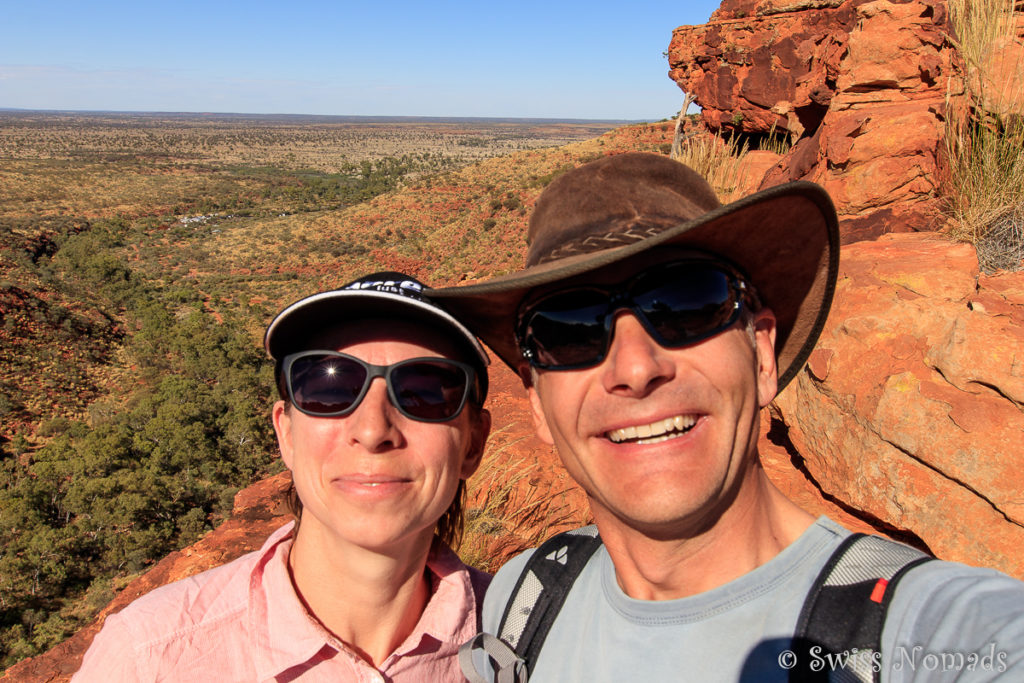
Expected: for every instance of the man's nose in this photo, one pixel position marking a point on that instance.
(636, 364)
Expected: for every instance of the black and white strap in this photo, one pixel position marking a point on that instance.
(543, 585)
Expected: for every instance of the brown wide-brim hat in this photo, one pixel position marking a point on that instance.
(785, 239)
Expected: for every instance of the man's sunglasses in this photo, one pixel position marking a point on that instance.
(330, 384)
(678, 303)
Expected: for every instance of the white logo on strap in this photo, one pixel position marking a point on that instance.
(560, 556)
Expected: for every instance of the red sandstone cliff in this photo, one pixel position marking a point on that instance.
(910, 412)
(859, 86)
(910, 409)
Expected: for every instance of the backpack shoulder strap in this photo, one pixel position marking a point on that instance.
(842, 618)
(545, 581)
(543, 585)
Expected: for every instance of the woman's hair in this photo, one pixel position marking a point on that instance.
(452, 523)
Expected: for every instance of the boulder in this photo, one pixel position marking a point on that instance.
(910, 408)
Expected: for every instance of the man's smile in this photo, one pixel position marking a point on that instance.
(657, 431)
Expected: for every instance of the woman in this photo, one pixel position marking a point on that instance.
(380, 423)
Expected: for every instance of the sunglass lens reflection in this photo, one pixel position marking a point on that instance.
(429, 391)
(569, 329)
(326, 384)
(679, 304)
(682, 305)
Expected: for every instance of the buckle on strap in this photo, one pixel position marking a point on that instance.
(506, 665)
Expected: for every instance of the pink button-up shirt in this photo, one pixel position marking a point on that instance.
(244, 622)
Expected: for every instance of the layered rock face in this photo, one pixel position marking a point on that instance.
(908, 418)
(910, 409)
(858, 86)
(910, 412)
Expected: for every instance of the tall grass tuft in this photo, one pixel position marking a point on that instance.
(506, 514)
(984, 135)
(776, 142)
(719, 159)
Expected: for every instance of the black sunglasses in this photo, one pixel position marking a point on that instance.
(678, 303)
(330, 384)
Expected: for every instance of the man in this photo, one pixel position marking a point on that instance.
(651, 326)
(380, 423)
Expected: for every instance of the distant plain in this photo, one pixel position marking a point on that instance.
(141, 255)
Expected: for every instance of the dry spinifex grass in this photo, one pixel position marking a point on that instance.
(719, 159)
(509, 510)
(985, 134)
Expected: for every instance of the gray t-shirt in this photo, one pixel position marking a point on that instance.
(946, 622)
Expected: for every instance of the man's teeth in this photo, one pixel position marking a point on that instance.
(654, 432)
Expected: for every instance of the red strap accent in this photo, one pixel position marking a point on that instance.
(879, 590)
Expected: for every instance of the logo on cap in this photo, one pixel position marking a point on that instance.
(409, 288)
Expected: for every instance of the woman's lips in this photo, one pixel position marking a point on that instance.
(371, 484)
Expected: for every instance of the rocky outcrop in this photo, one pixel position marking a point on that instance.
(909, 414)
(858, 86)
(911, 408)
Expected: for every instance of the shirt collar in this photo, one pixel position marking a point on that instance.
(449, 619)
(286, 635)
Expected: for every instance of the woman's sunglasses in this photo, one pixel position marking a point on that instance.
(330, 384)
(678, 303)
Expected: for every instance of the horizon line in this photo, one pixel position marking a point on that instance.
(340, 117)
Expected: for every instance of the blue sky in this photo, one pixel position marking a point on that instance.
(595, 60)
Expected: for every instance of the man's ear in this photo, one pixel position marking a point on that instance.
(525, 373)
(540, 422)
(764, 348)
(480, 430)
(529, 377)
(283, 428)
